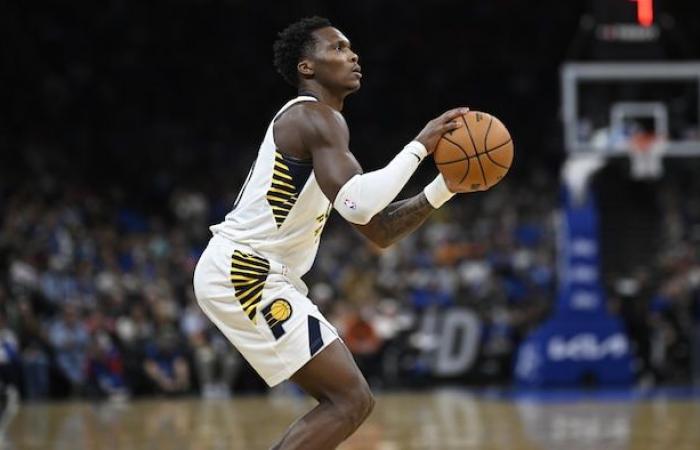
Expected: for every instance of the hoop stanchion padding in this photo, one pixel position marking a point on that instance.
(581, 341)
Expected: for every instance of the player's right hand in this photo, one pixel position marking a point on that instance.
(433, 130)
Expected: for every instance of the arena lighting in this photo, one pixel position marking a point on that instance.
(645, 12)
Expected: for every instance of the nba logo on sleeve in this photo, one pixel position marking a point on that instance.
(350, 204)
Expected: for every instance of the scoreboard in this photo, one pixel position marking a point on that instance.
(640, 12)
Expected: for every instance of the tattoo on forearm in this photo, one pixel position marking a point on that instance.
(403, 217)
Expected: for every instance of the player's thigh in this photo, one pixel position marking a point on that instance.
(332, 374)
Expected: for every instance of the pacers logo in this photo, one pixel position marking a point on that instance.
(276, 313)
(280, 310)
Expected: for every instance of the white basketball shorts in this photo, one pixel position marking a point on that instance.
(262, 310)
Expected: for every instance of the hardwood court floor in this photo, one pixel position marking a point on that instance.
(449, 419)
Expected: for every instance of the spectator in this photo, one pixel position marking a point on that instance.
(105, 368)
(215, 361)
(69, 338)
(130, 264)
(364, 343)
(34, 353)
(9, 356)
(165, 365)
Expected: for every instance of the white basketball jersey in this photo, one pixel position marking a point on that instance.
(280, 211)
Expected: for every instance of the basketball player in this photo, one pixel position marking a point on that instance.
(248, 278)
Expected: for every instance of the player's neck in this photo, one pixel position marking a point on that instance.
(324, 96)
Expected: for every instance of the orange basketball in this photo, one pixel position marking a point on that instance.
(477, 155)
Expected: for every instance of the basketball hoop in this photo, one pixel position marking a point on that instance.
(646, 151)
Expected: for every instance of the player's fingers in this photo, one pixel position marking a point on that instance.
(449, 126)
(453, 113)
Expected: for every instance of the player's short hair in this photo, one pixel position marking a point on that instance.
(293, 43)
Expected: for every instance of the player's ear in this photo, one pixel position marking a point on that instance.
(305, 68)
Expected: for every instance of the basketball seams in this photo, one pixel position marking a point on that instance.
(466, 156)
(501, 164)
(466, 172)
(488, 154)
(476, 156)
(483, 174)
(471, 138)
(454, 161)
(495, 163)
(486, 135)
(499, 146)
(456, 144)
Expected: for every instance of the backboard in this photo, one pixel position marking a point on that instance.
(606, 106)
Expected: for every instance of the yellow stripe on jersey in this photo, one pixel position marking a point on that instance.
(281, 191)
(253, 264)
(281, 165)
(282, 183)
(282, 194)
(247, 272)
(253, 300)
(282, 174)
(248, 275)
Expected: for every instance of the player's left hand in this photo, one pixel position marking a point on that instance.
(433, 130)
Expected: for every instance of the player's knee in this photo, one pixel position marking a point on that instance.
(370, 403)
(365, 400)
(356, 404)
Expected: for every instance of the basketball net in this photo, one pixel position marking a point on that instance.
(646, 151)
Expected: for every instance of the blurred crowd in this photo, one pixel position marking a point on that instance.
(96, 296)
(658, 295)
(125, 135)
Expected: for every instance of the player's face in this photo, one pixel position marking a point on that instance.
(335, 64)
